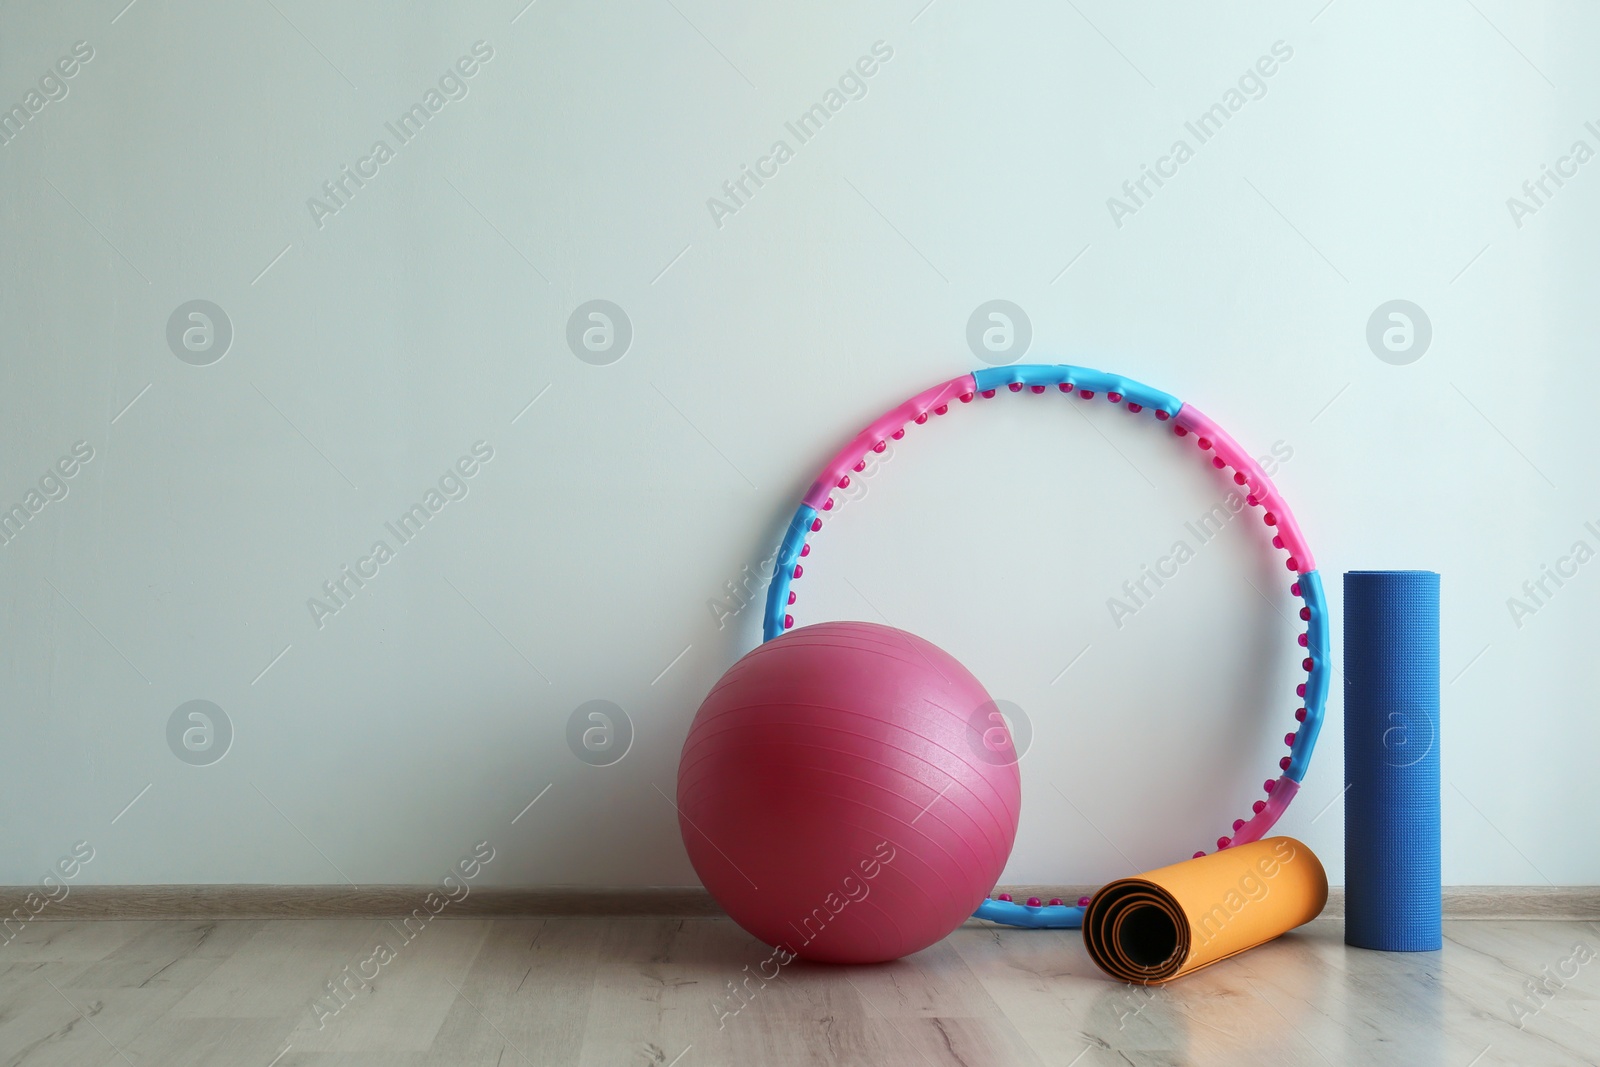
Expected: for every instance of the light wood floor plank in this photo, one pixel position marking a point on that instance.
(280, 970)
(401, 1008)
(526, 995)
(55, 942)
(699, 992)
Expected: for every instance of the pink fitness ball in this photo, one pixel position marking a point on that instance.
(835, 798)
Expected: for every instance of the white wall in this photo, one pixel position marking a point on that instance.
(426, 314)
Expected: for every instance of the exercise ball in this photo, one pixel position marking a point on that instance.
(848, 793)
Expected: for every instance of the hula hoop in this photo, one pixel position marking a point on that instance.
(1187, 421)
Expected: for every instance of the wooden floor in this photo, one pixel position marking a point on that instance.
(608, 991)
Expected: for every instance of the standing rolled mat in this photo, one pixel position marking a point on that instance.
(1391, 760)
(1171, 922)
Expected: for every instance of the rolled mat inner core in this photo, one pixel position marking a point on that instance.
(1140, 935)
(1147, 936)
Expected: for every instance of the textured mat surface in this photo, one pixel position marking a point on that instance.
(1173, 921)
(1391, 753)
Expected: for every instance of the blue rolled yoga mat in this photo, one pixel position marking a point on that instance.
(1391, 761)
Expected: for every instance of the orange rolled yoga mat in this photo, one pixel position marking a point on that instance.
(1170, 922)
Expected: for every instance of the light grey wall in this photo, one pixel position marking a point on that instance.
(374, 346)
